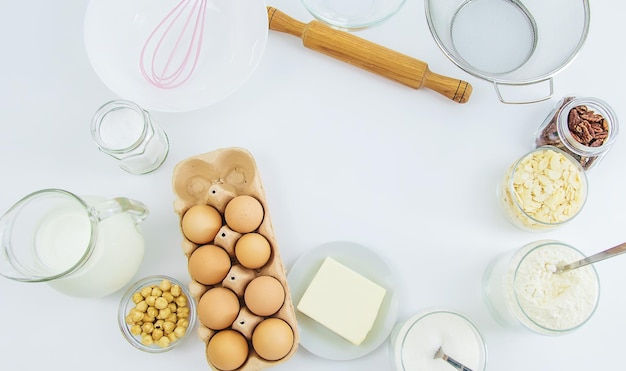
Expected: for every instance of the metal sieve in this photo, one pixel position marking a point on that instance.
(509, 42)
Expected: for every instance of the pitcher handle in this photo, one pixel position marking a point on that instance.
(119, 205)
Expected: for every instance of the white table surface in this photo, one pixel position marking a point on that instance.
(343, 154)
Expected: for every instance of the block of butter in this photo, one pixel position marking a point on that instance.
(342, 300)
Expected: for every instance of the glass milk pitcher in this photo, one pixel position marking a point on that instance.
(84, 247)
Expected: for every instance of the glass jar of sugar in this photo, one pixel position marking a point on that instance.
(522, 290)
(415, 342)
(584, 127)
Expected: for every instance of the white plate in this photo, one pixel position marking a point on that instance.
(318, 339)
(234, 39)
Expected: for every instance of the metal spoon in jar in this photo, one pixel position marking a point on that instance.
(613, 251)
(454, 363)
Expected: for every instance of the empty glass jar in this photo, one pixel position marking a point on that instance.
(126, 132)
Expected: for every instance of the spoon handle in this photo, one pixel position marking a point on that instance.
(456, 364)
(613, 251)
(451, 361)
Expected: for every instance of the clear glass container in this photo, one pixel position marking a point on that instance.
(543, 190)
(130, 301)
(352, 15)
(414, 342)
(584, 127)
(126, 133)
(522, 291)
(86, 246)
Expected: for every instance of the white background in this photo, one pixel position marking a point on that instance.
(343, 154)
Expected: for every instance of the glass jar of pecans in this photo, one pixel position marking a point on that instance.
(584, 127)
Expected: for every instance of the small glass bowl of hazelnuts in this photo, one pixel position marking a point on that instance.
(156, 313)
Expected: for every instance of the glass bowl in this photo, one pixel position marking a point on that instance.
(351, 15)
(522, 292)
(219, 55)
(135, 298)
(414, 342)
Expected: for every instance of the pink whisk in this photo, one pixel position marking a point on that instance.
(171, 52)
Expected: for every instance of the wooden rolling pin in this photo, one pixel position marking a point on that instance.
(368, 56)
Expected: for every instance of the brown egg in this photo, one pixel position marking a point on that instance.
(272, 339)
(218, 308)
(252, 250)
(227, 350)
(244, 214)
(264, 295)
(201, 223)
(209, 264)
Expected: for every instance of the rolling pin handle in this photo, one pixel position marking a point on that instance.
(455, 89)
(281, 22)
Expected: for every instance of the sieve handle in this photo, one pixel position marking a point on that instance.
(498, 86)
(369, 56)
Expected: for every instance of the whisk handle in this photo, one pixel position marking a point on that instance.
(369, 56)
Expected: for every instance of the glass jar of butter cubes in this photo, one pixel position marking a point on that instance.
(584, 127)
(543, 190)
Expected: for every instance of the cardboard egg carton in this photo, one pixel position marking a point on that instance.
(215, 178)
